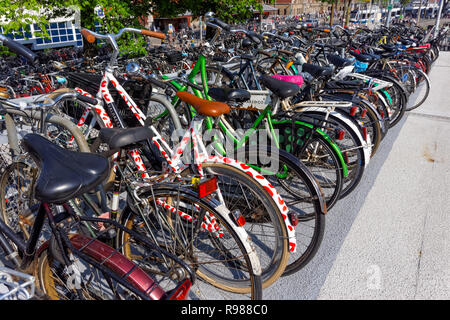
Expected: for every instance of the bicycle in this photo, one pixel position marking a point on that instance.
(281, 236)
(68, 254)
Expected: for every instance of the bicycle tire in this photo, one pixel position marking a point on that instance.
(164, 226)
(331, 181)
(304, 191)
(424, 79)
(54, 280)
(353, 151)
(264, 222)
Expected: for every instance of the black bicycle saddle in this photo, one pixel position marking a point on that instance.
(122, 137)
(317, 71)
(338, 61)
(362, 57)
(64, 174)
(280, 88)
(229, 94)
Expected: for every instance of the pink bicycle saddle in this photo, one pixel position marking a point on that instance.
(298, 80)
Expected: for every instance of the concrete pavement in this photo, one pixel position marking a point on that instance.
(390, 238)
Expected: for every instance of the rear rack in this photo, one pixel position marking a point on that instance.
(15, 285)
(321, 104)
(374, 83)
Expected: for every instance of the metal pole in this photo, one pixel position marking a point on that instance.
(201, 29)
(420, 11)
(369, 14)
(438, 19)
(388, 18)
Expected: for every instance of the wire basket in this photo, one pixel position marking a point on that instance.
(15, 285)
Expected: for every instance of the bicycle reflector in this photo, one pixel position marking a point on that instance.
(363, 114)
(364, 130)
(181, 291)
(238, 218)
(353, 110)
(207, 187)
(341, 134)
(293, 218)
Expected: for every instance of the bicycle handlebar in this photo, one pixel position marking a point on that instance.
(18, 48)
(64, 96)
(90, 35)
(153, 34)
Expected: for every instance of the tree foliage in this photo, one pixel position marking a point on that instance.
(119, 13)
(404, 2)
(228, 10)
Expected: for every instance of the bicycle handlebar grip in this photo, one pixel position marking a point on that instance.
(19, 49)
(157, 83)
(221, 24)
(87, 99)
(153, 34)
(88, 35)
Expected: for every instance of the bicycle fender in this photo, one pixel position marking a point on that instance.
(276, 197)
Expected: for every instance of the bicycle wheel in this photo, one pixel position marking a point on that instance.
(272, 66)
(16, 197)
(264, 222)
(177, 221)
(364, 117)
(302, 195)
(102, 274)
(316, 153)
(167, 121)
(396, 94)
(350, 143)
(421, 89)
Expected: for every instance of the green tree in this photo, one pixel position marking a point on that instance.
(120, 13)
(227, 10)
(19, 14)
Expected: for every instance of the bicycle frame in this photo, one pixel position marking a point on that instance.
(29, 247)
(172, 157)
(266, 115)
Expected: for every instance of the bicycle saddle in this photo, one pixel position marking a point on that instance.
(121, 137)
(64, 174)
(202, 106)
(388, 54)
(280, 88)
(229, 94)
(297, 79)
(373, 55)
(389, 47)
(317, 71)
(338, 61)
(362, 57)
(253, 36)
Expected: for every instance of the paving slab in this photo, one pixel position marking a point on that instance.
(399, 244)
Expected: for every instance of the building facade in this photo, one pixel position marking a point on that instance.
(298, 7)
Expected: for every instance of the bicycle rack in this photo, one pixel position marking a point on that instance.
(321, 104)
(374, 83)
(18, 285)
